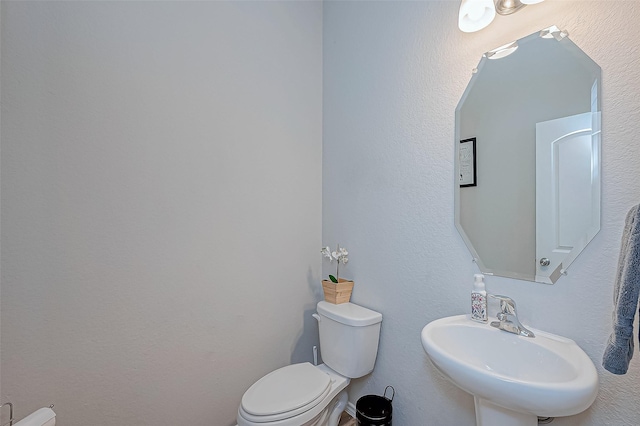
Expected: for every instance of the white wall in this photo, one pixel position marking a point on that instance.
(161, 205)
(393, 75)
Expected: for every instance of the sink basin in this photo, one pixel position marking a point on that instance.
(514, 379)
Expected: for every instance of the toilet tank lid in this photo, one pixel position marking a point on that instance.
(39, 417)
(349, 314)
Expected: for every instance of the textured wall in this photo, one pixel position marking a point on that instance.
(161, 205)
(393, 74)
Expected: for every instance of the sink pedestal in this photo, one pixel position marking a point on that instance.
(489, 414)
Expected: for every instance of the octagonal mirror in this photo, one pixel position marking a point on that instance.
(527, 187)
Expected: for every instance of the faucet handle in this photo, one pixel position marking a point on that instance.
(507, 318)
(507, 304)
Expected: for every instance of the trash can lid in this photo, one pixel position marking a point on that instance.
(374, 407)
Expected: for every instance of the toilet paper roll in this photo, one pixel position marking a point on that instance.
(42, 417)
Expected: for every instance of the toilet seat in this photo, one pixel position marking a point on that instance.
(313, 413)
(284, 393)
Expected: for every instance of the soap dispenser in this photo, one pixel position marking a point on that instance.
(479, 299)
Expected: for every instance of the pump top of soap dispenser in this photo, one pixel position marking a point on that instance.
(478, 282)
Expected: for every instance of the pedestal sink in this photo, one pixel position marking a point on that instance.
(513, 379)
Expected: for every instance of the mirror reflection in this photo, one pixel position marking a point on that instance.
(527, 190)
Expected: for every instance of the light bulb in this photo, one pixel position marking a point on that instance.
(475, 15)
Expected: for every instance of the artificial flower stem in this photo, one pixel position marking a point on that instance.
(338, 265)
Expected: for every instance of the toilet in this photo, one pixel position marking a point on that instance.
(315, 395)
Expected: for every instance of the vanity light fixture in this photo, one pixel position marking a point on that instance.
(475, 15)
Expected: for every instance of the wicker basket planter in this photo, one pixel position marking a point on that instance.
(337, 293)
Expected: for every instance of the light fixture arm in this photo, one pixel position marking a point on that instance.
(507, 7)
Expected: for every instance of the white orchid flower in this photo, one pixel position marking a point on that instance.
(340, 255)
(326, 252)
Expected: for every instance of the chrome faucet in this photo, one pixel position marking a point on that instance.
(507, 317)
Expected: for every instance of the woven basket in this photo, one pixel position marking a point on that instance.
(337, 293)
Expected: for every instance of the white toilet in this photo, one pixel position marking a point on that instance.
(308, 395)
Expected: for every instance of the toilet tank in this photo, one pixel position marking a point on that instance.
(349, 337)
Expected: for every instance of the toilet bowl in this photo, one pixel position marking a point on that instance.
(315, 395)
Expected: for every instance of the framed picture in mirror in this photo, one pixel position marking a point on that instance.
(467, 162)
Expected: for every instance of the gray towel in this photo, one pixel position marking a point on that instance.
(619, 350)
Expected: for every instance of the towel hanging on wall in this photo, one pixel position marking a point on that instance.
(619, 350)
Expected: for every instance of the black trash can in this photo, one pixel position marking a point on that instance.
(374, 410)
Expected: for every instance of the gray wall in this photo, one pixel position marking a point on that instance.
(161, 205)
(393, 75)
